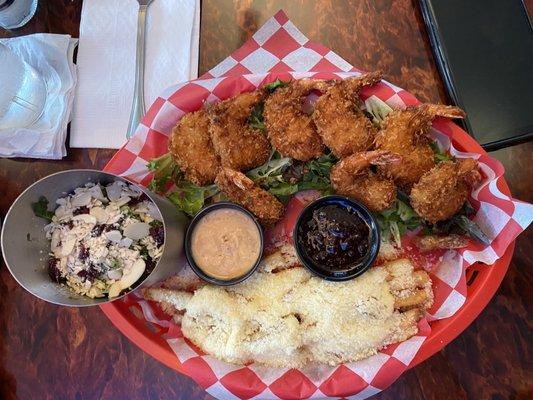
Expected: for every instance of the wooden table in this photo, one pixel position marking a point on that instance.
(51, 352)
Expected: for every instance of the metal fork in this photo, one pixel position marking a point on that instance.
(137, 107)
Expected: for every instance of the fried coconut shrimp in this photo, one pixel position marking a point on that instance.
(191, 148)
(292, 131)
(241, 189)
(291, 318)
(340, 122)
(442, 191)
(352, 177)
(406, 132)
(238, 145)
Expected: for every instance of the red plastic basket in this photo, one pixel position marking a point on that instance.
(482, 282)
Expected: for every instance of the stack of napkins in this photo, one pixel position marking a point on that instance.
(51, 55)
(106, 63)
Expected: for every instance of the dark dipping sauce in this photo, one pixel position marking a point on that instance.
(336, 237)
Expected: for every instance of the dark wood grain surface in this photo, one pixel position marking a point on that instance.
(58, 353)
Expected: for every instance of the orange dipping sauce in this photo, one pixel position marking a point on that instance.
(226, 243)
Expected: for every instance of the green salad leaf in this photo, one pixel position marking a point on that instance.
(187, 196)
(270, 176)
(316, 174)
(40, 209)
(270, 87)
(156, 224)
(397, 220)
(270, 172)
(283, 177)
(255, 120)
(143, 252)
(190, 198)
(165, 170)
(471, 229)
(440, 155)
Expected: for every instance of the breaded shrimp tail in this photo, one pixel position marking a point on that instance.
(357, 83)
(440, 110)
(241, 189)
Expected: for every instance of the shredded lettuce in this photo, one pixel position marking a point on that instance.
(282, 177)
(165, 171)
(190, 198)
(255, 120)
(377, 109)
(397, 220)
(187, 197)
(440, 155)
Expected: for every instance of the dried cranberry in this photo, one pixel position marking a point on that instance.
(136, 200)
(53, 271)
(158, 234)
(99, 229)
(84, 253)
(81, 210)
(70, 224)
(89, 274)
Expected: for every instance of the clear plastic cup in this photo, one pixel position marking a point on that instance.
(16, 13)
(23, 93)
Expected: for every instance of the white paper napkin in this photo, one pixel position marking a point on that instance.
(51, 55)
(106, 63)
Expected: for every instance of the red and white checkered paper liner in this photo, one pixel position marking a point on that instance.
(279, 50)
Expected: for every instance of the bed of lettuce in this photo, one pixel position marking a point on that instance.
(283, 177)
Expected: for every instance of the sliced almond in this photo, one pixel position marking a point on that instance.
(137, 230)
(81, 200)
(114, 191)
(114, 274)
(96, 192)
(61, 211)
(126, 242)
(113, 236)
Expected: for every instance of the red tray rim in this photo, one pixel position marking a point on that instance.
(443, 331)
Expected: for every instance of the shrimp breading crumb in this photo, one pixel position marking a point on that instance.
(191, 148)
(241, 189)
